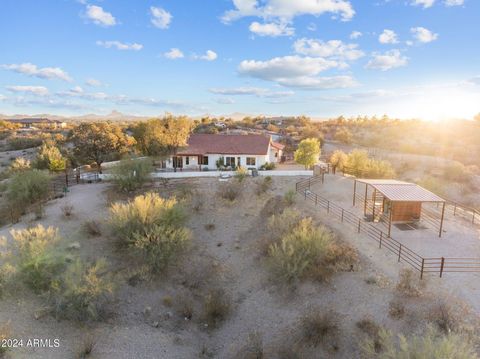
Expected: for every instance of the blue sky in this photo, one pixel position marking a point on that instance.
(406, 58)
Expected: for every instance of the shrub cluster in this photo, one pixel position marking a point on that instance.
(131, 174)
(153, 226)
(230, 191)
(358, 164)
(264, 186)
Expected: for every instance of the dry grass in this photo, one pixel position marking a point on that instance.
(230, 191)
(209, 226)
(217, 307)
(86, 347)
(92, 227)
(252, 349)
(372, 330)
(67, 210)
(410, 284)
(450, 315)
(320, 328)
(396, 309)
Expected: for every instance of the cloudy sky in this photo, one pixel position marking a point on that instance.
(406, 58)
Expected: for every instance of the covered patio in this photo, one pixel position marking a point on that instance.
(401, 203)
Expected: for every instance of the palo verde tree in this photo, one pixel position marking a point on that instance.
(308, 152)
(96, 141)
(49, 157)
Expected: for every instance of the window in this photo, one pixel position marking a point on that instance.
(230, 161)
(187, 160)
(251, 161)
(205, 160)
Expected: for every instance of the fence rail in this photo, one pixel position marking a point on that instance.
(403, 253)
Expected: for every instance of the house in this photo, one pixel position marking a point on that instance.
(213, 151)
(38, 122)
(220, 125)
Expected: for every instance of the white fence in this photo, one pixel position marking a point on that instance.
(106, 177)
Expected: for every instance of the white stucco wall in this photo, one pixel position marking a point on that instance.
(213, 158)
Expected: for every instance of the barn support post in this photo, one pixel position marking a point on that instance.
(423, 266)
(365, 200)
(399, 253)
(390, 219)
(381, 238)
(354, 191)
(442, 265)
(373, 206)
(441, 220)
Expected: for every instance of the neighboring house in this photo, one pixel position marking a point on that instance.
(38, 122)
(221, 125)
(205, 151)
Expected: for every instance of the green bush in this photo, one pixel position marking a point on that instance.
(429, 345)
(38, 262)
(22, 143)
(143, 213)
(338, 159)
(299, 250)
(28, 189)
(131, 174)
(160, 245)
(50, 158)
(241, 173)
(84, 293)
(289, 197)
(269, 166)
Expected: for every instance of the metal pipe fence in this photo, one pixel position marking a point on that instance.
(403, 253)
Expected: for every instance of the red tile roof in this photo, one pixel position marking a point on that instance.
(202, 144)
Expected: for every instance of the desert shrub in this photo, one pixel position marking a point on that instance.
(184, 191)
(269, 166)
(320, 328)
(289, 197)
(38, 262)
(252, 349)
(410, 284)
(370, 328)
(449, 315)
(21, 143)
(230, 191)
(86, 347)
(143, 213)
(359, 164)
(217, 307)
(209, 226)
(299, 250)
(197, 202)
(67, 210)
(241, 173)
(338, 159)
(50, 158)
(92, 228)
(131, 174)
(160, 245)
(28, 189)
(429, 345)
(20, 164)
(4, 335)
(84, 293)
(457, 172)
(396, 309)
(264, 186)
(279, 225)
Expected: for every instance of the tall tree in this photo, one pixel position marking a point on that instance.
(308, 152)
(97, 141)
(163, 136)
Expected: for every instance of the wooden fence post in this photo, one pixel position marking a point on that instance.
(454, 209)
(328, 206)
(342, 214)
(441, 267)
(421, 270)
(359, 224)
(381, 237)
(399, 253)
(316, 199)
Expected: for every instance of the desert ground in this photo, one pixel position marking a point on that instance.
(161, 317)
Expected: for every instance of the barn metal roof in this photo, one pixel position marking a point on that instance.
(400, 191)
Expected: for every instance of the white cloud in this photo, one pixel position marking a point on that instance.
(34, 90)
(93, 82)
(474, 80)
(174, 54)
(333, 48)
(355, 35)
(287, 9)
(423, 35)
(454, 2)
(120, 45)
(312, 27)
(251, 91)
(386, 61)
(209, 56)
(271, 29)
(225, 101)
(424, 3)
(100, 16)
(296, 71)
(388, 37)
(43, 73)
(77, 89)
(160, 17)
